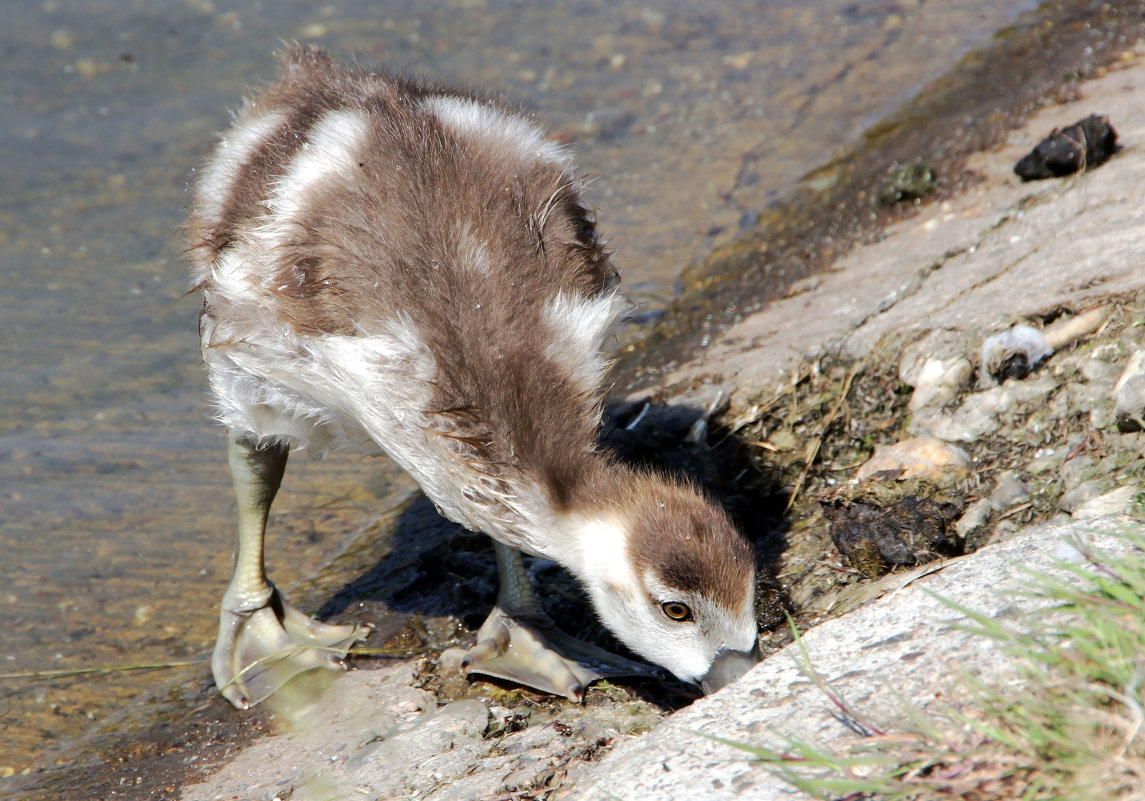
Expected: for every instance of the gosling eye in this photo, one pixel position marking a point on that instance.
(675, 610)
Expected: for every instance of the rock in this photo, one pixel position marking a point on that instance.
(1101, 417)
(905, 642)
(920, 457)
(443, 744)
(1108, 352)
(971, 526)
(940, 343)
(938, 382)
(528, 739)
(1009, 492)
(1129, 395)
(1012, 354)
(1120, 501)
(981, 413)
(1097, 371)
(465, 788)
(1076, 470)
(978, 416)
(1078, 397)
(1084, 145)
(1046, 460)
(1082, 494)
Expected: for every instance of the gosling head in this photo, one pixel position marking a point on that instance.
(671, 577)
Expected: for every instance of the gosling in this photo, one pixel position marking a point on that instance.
(392, 267)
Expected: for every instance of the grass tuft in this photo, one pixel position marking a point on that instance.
(1071, 731)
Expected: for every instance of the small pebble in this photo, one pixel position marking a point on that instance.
(1009, 492)
(1012, 354)
(921, 457)
(1076, 470)
(938, 382)
(976, 516)
(1129, 395)
(87, 68)
(939, 344)
(62, 39)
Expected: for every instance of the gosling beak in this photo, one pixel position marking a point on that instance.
(728, 666)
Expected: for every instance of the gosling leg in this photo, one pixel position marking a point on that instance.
(263, 642)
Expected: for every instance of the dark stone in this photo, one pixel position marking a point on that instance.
(880, 524)
(1082, 146)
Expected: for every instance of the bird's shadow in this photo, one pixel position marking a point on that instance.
(435, 571)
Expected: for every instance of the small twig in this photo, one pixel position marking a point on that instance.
(68, 672)
(1016, 510)
(407, 650)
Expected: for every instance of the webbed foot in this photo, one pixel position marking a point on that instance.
(259, 651)
(518, 642)
(531, 650)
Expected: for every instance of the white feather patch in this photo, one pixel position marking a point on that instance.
(363, 394)
(496, 128)
(473, 253)
(234, 152)
(331, 149)
(602, 557)
(578, 326)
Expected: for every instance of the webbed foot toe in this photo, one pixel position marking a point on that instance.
(259, 651)
(532, 651)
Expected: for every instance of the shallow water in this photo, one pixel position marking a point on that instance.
(115, 508)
